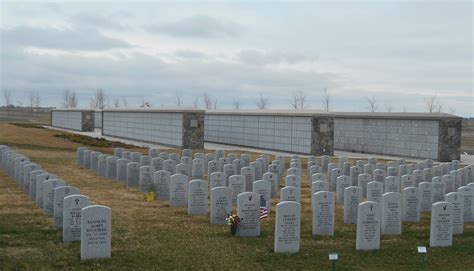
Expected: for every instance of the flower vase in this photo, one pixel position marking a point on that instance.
(233, 229)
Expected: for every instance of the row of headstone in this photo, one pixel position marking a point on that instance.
(71, 212)
(383, 213)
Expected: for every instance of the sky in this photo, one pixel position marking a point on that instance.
(400, 52)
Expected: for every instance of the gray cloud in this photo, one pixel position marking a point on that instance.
(98, 21)
(256, 57)
(157, 80)
(189, 54)
(69, 39)
(198, 27)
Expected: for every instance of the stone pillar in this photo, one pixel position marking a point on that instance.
(322, 135)
(449, 139)
(87, 121)
(193, 130)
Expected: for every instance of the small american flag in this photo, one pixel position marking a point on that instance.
(263, 208)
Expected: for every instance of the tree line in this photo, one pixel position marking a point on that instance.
(298, 101)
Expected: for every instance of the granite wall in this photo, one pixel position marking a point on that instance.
(449, 140)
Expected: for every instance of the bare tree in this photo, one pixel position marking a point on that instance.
(73, 100)
(373, 106)
(389, 107)
(326, 100)
(236, 104)
(7, 96)
(145, 103)
(31, 100)
(178, 100)
(207, 101)
(196, 102)
(37, 100)
(66, 98)
(116, 102)
(214, 104)
(99, 100)
(432, 104)
(262, 102)
(298, 100)
(452, 111)
(405, 109)
(124, 101)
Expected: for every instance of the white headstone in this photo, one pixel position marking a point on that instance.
(441, 228)
(197, 197)
(40, 179)
(162, 184)
(323, 206)
(439, 189)
(457, 200)
(352, 199)
(217, 179)
(96, 232)
(293, 180)
(48, 195)
(145, 160)
(468, 193)
(95, 160)
(249, 175)
(449, 182)
(72, 215)
(407, 180)
(411, 204)
(102, 165)
(157, 163)
(342, 183)
(273, 179)
(179, 190)
(32, 186)
(133, 174)
(354, 174)
(426, 190)
(59, 194)
(248, 210)
(287, 227)
(264, 188)
(290, 193)
(374, 191)
(392, 213)
(170, 166)
(237, 184)
(221, 204)
(146, 178)
(369, 218)
(362, 181)
(392, 184)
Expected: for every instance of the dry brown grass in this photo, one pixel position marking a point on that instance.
(155, 236)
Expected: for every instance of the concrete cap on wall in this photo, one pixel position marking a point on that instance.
(398, 115)
(293, 113)
(155, 110)
(73, 109)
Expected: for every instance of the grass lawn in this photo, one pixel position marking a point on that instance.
(155, 236)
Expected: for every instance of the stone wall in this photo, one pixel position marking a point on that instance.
(176, 127)
(193, 130)
(322, 136)
(73, 119)
(287, 131)
(417, 135)
(88, 121)
(449, 139)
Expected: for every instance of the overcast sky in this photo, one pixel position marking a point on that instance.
(399, 51)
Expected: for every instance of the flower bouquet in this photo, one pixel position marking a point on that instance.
(233, 221)
(150, 195)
